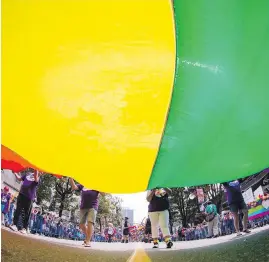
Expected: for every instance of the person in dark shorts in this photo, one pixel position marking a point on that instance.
(148, 231)
(237, 204)
(125, 231)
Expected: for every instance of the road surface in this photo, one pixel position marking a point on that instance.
(248, 248)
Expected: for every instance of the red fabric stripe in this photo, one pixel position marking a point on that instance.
(14, 162)
(15, 167)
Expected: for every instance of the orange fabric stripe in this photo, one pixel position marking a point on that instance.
(9, 157)
(12, 161)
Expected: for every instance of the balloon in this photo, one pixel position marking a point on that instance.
(165, 93)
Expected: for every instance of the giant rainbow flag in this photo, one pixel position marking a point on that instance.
(129, 95)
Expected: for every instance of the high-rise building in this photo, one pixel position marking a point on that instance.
(127, 212)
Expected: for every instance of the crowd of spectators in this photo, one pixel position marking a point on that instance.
(226, 227)
(48, 224)
(51, 226)
(8, 205)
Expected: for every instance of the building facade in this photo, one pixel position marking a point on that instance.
(9, 179)
(260, 179)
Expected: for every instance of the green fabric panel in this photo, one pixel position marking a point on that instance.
(218, 124)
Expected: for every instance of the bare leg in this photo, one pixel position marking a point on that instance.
(245, 221)
(89, 231)
(236, 222)
(84, 229)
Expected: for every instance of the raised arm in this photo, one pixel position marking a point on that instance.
(37, 175)
(73, 185)
(17, 177)
(168, 191)
(150, 195)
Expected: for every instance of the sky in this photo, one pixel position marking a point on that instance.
(137, 202)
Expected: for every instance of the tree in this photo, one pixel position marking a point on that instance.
(182, 207)
(64, 194)
(45, 189)
(58, 195)
(187, 210)
(215, 193)
(109, 210)
(115, 214)
(103, 211)
(73, 209)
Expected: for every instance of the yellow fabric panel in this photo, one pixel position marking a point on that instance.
(86, 86)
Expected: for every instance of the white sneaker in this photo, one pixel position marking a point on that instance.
(23, 231)
(14, 228)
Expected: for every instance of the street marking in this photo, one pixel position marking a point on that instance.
(139, 255)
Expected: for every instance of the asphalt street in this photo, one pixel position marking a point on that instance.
(248, 248)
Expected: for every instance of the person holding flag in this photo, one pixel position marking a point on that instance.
(158, 210)
(26, 197)
(88, 210)
(237, 204)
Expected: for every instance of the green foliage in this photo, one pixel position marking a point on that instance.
(186, 210)
(215, 193)
(182, 208)
(45, 188)
(57, 195)
(109, 211)
(64, 194)
(104, 205)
